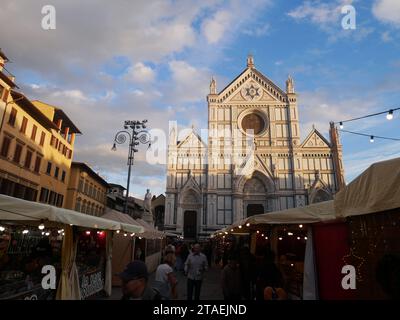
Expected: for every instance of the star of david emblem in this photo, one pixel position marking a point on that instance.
(252, 92)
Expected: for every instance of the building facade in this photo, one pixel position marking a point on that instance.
(87, 191)
(253, 162)
(36, 148)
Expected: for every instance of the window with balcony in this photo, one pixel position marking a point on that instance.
(24, 125)
(5, 147)
(28, 159)
(13, 117)
(17, 153)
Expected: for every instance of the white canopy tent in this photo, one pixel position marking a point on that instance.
(22, 210)
(375, 190)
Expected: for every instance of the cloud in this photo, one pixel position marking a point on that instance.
(386, 36)
(387, 11)
(258, 30)
(215, 27)
(140, 73)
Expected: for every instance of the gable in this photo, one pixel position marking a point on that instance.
(192, 141)
(250, 86)
(315, 140)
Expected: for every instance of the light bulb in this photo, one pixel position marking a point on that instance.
(2, 228)
(25, 231)
(266, 238)
(300, 226)
(258, 231)
(280, 238)
(389, 116)
(125, 235)
(47, 233)
(88, 233)
(262, 235)
(41, 226)
(305, 238)
(117, 231)
(231, 230)
(298, 238)
(247, 224)
(289, 233)
(240, 227)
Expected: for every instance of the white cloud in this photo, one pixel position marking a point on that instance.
(189, 84)
(258, 30)
(387, 11)
(214, 28)
(140, 73)
(386, 36)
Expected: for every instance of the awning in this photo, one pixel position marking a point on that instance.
(375, 190)
(149, 231)
(124, 219)
(15, 209)
(317, 212)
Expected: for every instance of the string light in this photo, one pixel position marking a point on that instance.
(305, 238)
(2, 228)
(240, 227)
(300, 226)
(389, 116)
(289, 233)
(262, 235)
(88, 233)
(47, 233)
(125, 235)
(369, 135)
(41, 226)
(247, 224)
(258, 231)
(266, 238)
(231, 230)
(25, 231)
(280, 238)
(117, 231)
(298, 238)
(132, 234)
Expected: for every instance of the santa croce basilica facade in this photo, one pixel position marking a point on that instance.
(252, 162)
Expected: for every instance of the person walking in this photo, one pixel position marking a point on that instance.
(165, 280)
(230, 280)
(135, 283)
(195, 266)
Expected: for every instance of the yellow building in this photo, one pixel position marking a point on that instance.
(87, 191)
(36, 148)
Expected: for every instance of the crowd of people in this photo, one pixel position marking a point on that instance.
(242, 278)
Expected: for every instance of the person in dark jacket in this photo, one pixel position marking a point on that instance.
(135, 283)
(230, 280)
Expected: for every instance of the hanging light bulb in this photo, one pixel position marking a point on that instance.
(125, 235)
(43, 233)
(266, 238)
(371, 139)
(298, 238)
(231, 230)
(2, 228)
(132, 234)
(41, 226)
(341, 125)
(280, 238)
(258, 231)
(240, 227)
(88, 233)
(118, 231)
(25, 231)
(389, 116)
(262, 235)
(289, 233)
(305, 238)
(300, 226)
(47, 233)
(247, 224)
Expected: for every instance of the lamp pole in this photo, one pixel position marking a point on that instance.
(137, 135)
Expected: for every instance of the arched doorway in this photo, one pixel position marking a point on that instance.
(254, 196)
(159, 212)
(190, 224)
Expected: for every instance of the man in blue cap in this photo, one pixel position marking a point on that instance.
(135, 283)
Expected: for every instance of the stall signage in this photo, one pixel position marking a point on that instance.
(91, 284)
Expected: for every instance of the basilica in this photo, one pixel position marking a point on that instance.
(251, 161)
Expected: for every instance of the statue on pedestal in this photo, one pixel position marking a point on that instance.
(148, 215)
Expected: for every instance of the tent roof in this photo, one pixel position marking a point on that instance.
(317, 212)
(149, 231)
(15, 209)
(122, 218)
(375, 190)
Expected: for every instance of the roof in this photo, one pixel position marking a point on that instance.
(60, 114)
(374, 190)
(22, 101)
(89, 170)
(7, 79)
(2, 54)
(14, 209)
(113, 185)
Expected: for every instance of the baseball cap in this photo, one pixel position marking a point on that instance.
(134, 270)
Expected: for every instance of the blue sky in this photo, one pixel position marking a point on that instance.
(108, 62)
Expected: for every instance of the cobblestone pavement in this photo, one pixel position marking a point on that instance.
(211, 289)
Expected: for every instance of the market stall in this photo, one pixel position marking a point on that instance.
(34, 235)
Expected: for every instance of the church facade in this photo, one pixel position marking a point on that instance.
(250, 161)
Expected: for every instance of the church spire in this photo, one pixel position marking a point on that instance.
(213, 86)
(289, 85)
(250, 61)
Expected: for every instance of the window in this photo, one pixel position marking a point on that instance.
(53, 141)
(28, 159)
(63, 176)
(78, 205)
(17, 153)
(13, 116)
(5, 147)
(60, 199)
(52, 198)
(80, 186)
(37, 164)
(44, 194)
(48, 170)
(42, 138)
(56, 171)
(24, 124)
(34, 130)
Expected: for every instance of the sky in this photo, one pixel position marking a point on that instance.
(111, 61)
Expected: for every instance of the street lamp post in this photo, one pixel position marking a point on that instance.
(137, 136)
